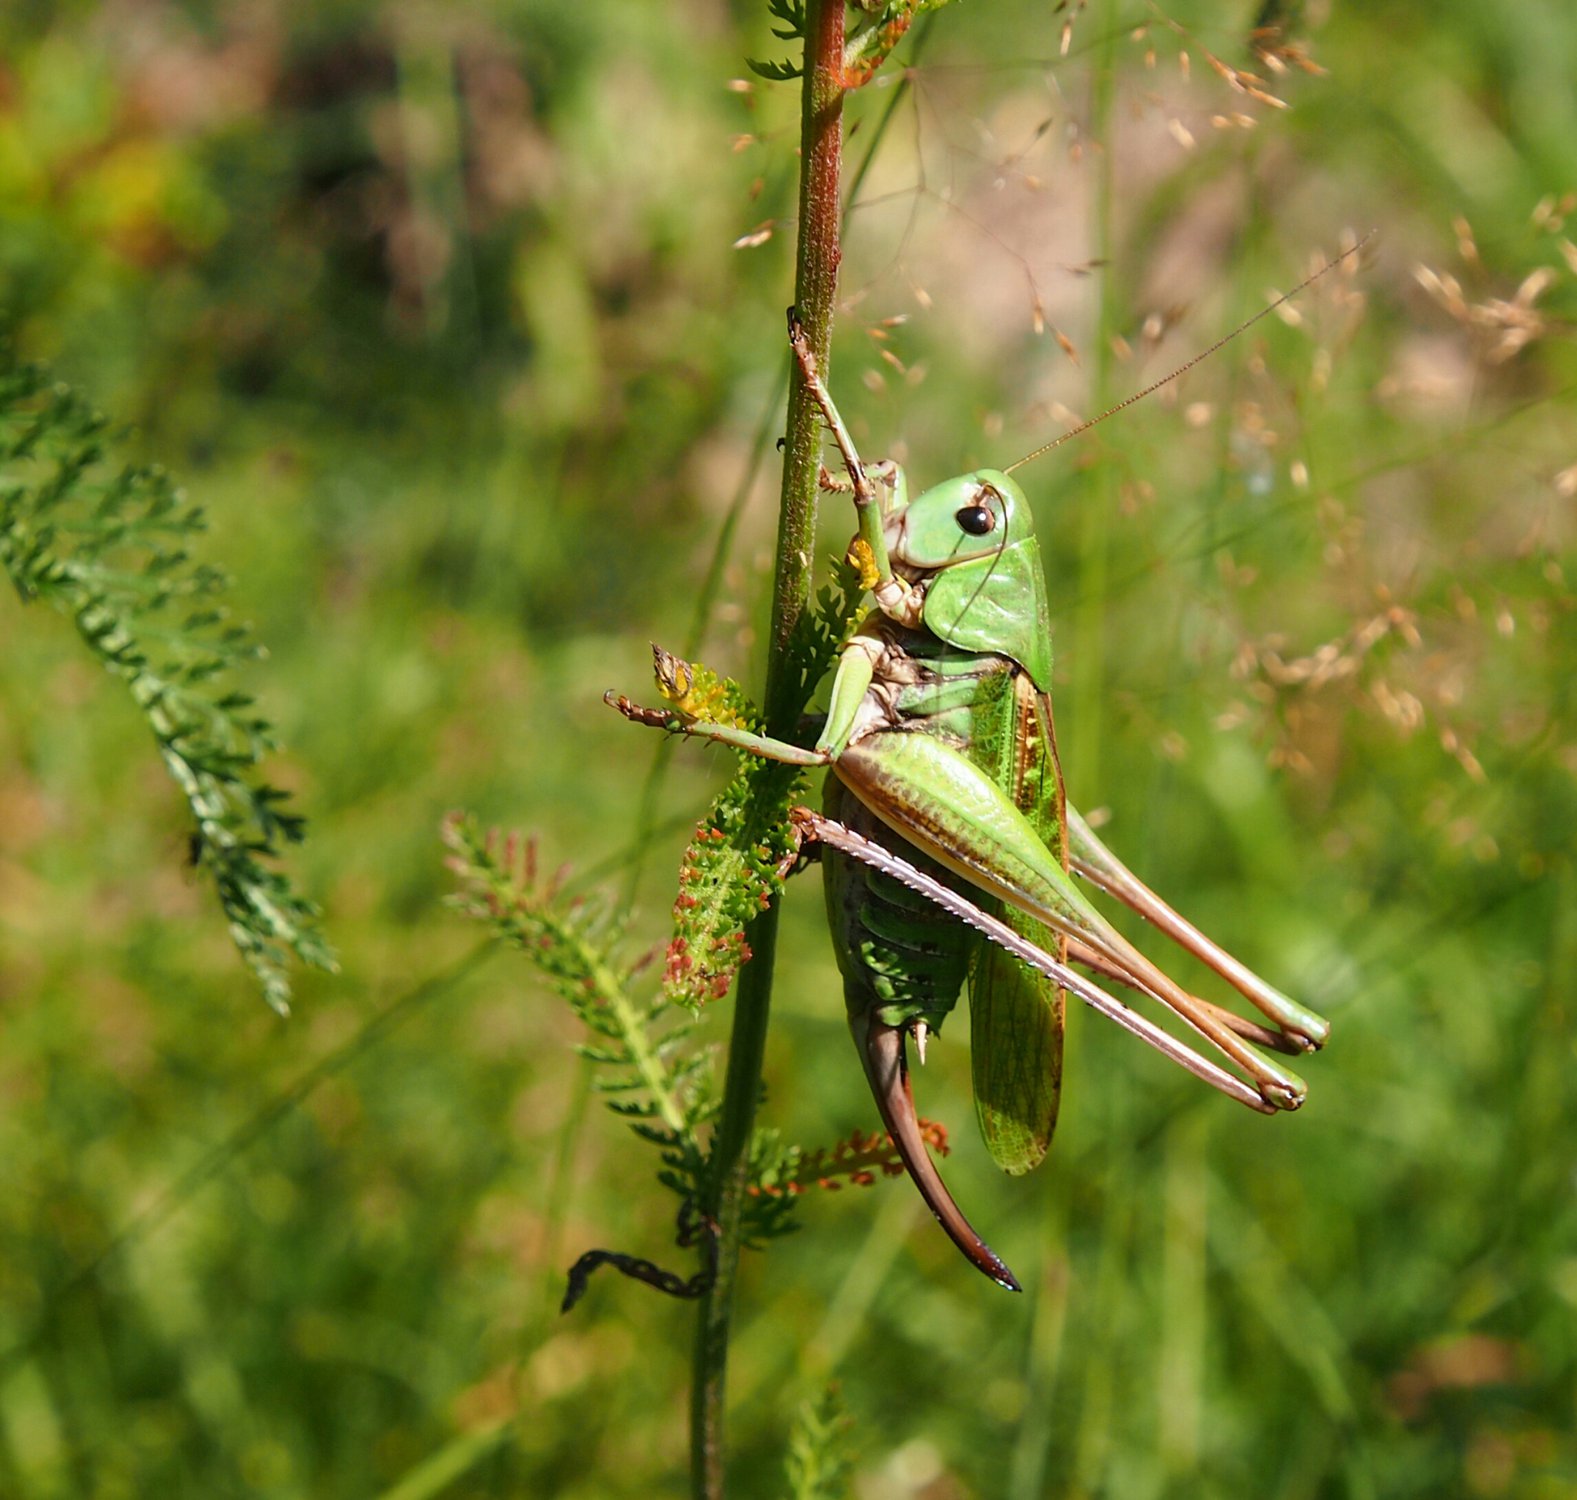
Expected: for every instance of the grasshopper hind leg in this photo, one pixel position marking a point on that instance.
(887, 1067)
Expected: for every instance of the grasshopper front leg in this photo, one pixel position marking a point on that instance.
(676, 721)
(897, 599)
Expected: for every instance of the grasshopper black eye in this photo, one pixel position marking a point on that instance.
(976, 520)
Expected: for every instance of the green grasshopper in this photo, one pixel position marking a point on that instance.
(946, 791)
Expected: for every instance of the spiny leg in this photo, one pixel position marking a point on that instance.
(1252, 1031)
(864, 494)
(813, 825)
(937, 799)
(1097, 864)
(892, 594)
(677, 722)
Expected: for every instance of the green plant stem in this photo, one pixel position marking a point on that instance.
(817, 255)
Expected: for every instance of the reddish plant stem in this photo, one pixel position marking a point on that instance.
(817, 256)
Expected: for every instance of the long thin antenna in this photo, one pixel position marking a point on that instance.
(1182, 369)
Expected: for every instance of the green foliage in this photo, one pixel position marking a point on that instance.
(780, 1173)
(820, 1465)
(729, 873)
(654, 1076)
(769, 1207)
(732, 867)
(106, 544)
(868, 44)
(654, 1080)
(825, 630)
(790, 27)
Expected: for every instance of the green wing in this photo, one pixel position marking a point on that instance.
(1016, 1015)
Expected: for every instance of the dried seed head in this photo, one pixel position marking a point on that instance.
(1467, 247)
(757, 236)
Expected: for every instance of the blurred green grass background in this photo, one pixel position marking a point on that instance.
(438, 310)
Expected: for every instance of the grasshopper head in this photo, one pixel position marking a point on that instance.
(971, 540)
(974, 516)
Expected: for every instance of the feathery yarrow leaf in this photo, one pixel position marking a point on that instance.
(734, 865)
(107, 545)
(574, 943)
(820, 1465)
(869, 42)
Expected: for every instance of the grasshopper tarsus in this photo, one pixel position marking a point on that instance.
(830, 484)
(1289, 1044)
(801, 346)
(1285, 1098)
(655, 718)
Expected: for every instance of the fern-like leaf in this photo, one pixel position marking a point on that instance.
(856, 1162)
(790, 18)
(730, 873)
(734, 864)
(868, 44)
(778, 1175)
(660, 1088)
(820, 1465)
(107, 546)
